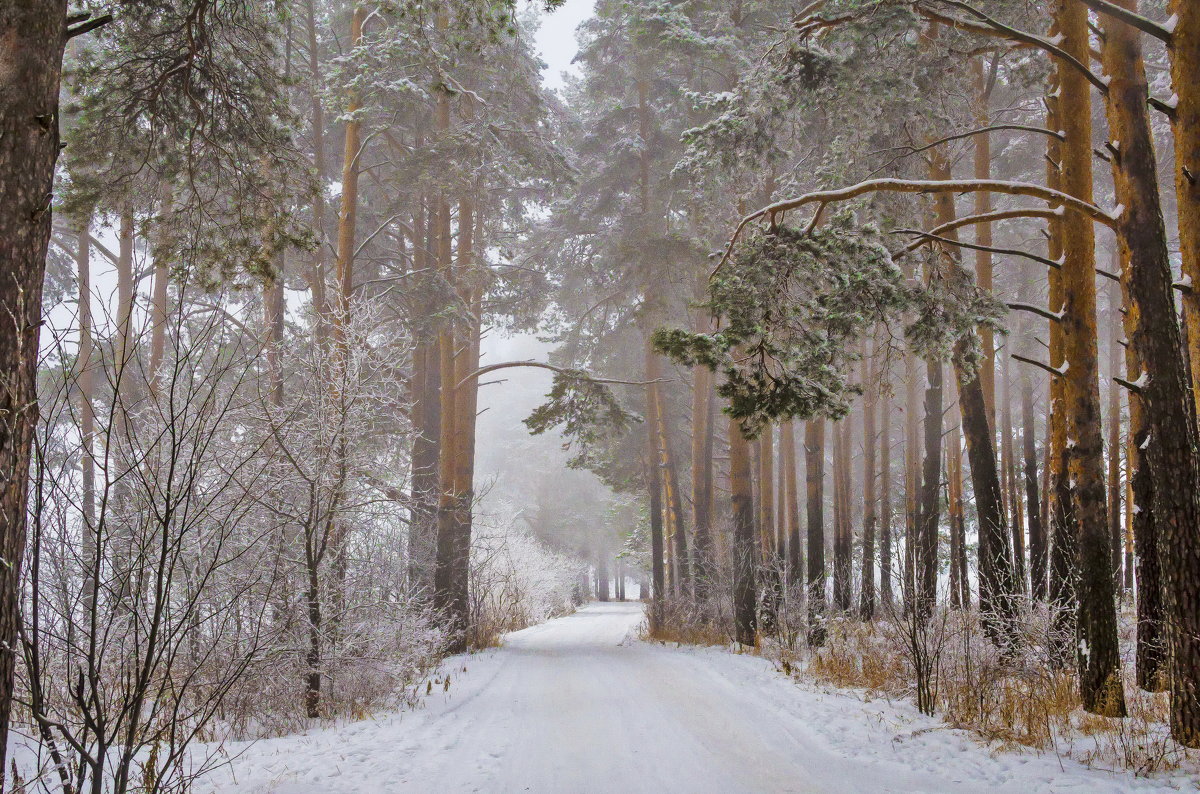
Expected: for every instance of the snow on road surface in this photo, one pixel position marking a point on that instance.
(579, 704)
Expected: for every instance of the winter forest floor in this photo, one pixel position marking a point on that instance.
(580, 704)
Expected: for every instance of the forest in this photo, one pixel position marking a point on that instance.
(346, 345)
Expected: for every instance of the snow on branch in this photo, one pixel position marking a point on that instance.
(1131, 18)
(823, 198)
(993, 27)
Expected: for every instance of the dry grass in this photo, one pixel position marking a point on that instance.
(1018, 702)
(1015, 703)
(683, 621)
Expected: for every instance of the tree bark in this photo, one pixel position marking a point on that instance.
(1033, 502)
(702, 478)
(654, 479)
(768, 532)
(886, 598)
(1114, 430)
(1097, 658)
(1157, 341)
(954, 506)
(1150, 664)
(1185, 82)
(870, 515)
(814, 478)
(681, 576)
(843, 571)
(1016, 513)
(1059, 510)
(983, 234)
(745, 544)
(791, 502)
(912, 476)
(87, 417)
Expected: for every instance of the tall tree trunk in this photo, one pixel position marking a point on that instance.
(912, 476)
(602, 575)
(843, 562)
(1060, 512)
(814, 479)
(954, 507)
(1156, 339)
(681, 577)
(453, 549)
(30, 66)
(983, 233)
(929, 503)
(316, 277)
(702, 478)
(886, 598)
(1114, 429)
(1016, 514)
(125, 396)
(745, 589)
(767, 530)
(997, 582)
(870, 515)
(1185, 121)
(1037, 531)
(272, 305)
(787, 453)
(1098, 658)
(654, 480)
(1150, 664)
(426, 412)
(87, 416)
(466, 403)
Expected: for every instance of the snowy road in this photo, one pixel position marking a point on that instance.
(580, 705)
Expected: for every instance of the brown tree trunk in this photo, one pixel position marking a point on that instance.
(654, 478)
(466, 401)
(1114, 431)
(870, 515)
(997, 582)
(929, 503)
(843, 562)
(87, 417)
(316, 277)
(886, 599)
(702, 478)
(983, 234)
(745, 589)
(814, 478)
(1185, 82)
(1059, 515)
(272, 306)
(681, 576)
(954, 507)
(1037, 531)
(1098, 657)
(602, 575)
(1150, 663)
(912, 476)
(1016, 513)
(426, 412)
(768, 531)
(1157, 342)
(795, 554)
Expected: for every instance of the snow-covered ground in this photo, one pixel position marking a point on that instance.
(579, 704)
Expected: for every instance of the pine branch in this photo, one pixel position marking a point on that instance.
(994, 27)
(930, 236)
(1038, 364)
(1132, 19)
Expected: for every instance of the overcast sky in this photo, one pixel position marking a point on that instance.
(556, 38)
